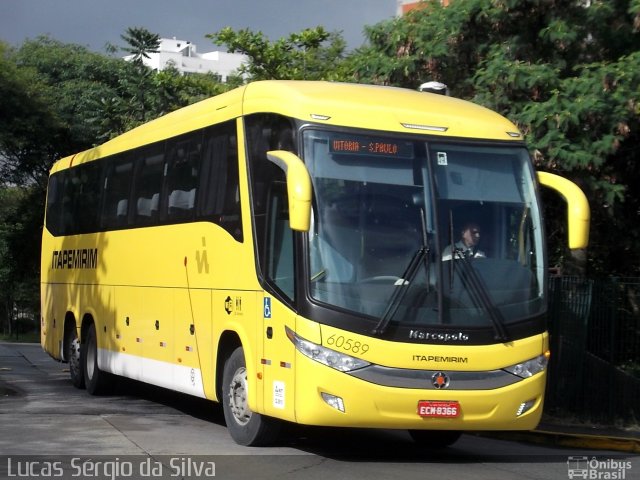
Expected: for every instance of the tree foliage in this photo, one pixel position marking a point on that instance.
(141, 42)
(567, 72)
(57, 99)
(312, 54)
(25, 116)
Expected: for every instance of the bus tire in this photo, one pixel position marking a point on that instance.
(245, 427)
(435, 438)
(73, 356)
(96, 381)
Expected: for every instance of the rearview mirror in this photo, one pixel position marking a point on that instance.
(578, 212)
(298, 188)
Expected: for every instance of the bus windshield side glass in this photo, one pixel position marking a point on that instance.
(414, 233)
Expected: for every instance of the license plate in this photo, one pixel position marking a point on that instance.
(438, 409)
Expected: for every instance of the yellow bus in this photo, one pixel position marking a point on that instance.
(296, 251)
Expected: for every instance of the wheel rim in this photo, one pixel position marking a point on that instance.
(74, 356)
(238, 397)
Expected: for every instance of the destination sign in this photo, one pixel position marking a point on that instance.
(363, 145)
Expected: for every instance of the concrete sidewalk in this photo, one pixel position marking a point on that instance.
(595, 438)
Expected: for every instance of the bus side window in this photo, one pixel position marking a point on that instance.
(267, 132)
(148, 184)
(279, 243)
(80, 199)
(117, 187)
(183, 172)
(219, 193)
(88, 197)
(55, 191)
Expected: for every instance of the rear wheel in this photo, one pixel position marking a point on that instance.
(245, 426)
(96, 381)
(435, 438)
(72, 355)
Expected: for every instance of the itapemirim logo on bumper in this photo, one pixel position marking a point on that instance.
(597, 469)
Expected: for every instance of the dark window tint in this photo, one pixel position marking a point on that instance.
(183, 174)
(54, 203)
(148, 184)
(85, 181)
(117, 189)
(279, 262)
(219, 199)
(73, 200)
(190, 177)
(268, 132)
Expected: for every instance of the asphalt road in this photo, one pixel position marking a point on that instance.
(49, 429)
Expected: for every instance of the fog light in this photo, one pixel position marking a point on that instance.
(525, 407)
(333, 401)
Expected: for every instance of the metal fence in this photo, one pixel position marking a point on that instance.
(594, 372)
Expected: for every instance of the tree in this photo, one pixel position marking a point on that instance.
(57, 99)
(141, 42)
(150, 94)
(56, 93)
(28, 128)
(312, 54)
(9, 200)
(173, 90)
(567, 72)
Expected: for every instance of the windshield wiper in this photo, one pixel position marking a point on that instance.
(479, 294)
(400, 290)
(402, 284)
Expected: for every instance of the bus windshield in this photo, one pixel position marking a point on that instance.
(415, 233)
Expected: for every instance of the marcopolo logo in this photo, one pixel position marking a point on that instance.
(438, 336)
(597, 469)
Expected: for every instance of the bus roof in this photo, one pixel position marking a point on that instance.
(378, 108)
(339, 104)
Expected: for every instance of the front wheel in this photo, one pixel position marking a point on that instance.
(245, 427)
(96, 381)
(435, 438)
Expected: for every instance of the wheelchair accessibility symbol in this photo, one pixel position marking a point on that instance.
(267, 307)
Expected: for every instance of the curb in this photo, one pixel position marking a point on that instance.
(575, 440)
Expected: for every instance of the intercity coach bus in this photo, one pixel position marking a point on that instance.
(291, 250)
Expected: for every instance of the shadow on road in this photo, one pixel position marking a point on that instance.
(358, 445)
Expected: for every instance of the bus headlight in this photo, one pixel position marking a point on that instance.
(326, 356)
(530, 367)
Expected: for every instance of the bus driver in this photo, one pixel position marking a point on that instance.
(467, 246)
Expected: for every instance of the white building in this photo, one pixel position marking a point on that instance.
(183, 56)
